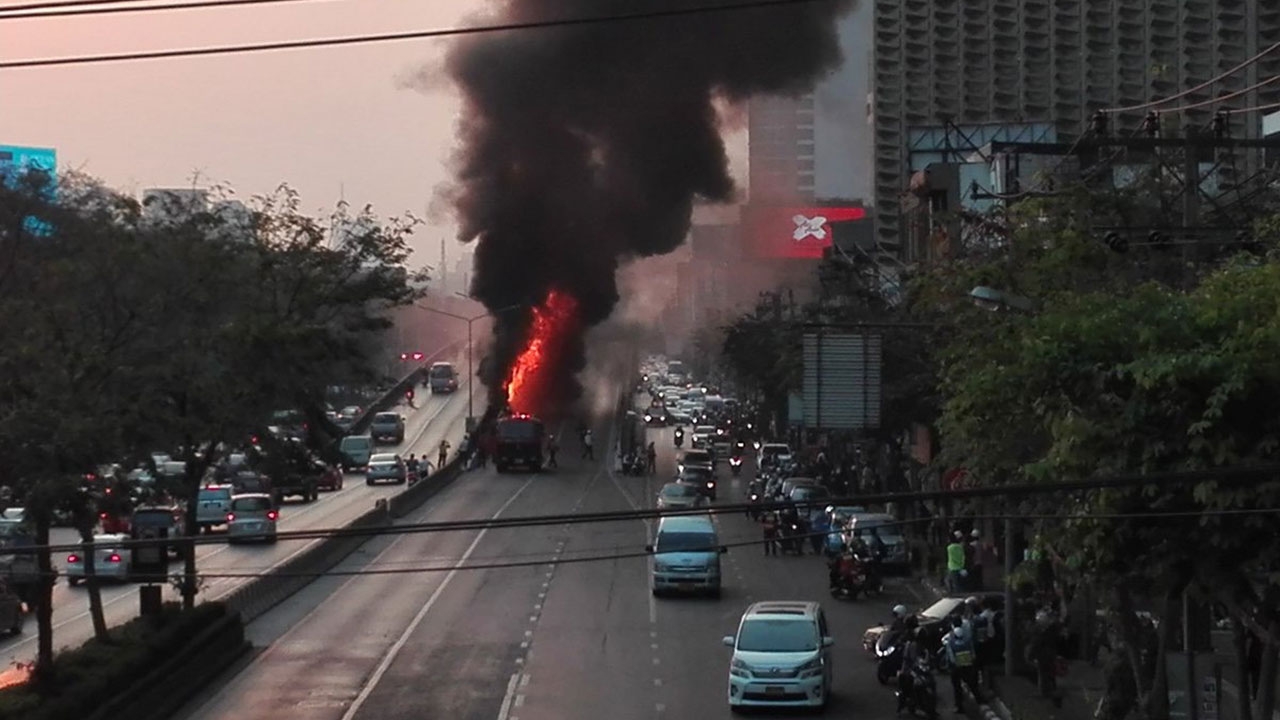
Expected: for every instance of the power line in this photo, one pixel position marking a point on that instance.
(1221, 98)
(1221, 475)
(400, 36)
(106, 7)
(1255, 108)
(501, 564)
(1197, 88)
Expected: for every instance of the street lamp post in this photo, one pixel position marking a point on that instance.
(470, 364)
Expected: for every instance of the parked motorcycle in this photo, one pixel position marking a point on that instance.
(920, 690)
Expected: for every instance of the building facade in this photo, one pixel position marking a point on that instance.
(1048, 65)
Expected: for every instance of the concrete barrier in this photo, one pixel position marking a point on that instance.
(412, 498)
(256, 597)
(162, 692)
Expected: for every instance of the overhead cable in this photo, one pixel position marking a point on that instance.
(1206, 84)
(1221, 98)
(1224, 475)
(399, 36)
(99, 7)
(557, 560)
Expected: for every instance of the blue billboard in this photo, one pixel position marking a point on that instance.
(16, 161)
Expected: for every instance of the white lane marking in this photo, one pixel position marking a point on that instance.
(391, 655)
(519, 701)
(524, 680)
(505, 710)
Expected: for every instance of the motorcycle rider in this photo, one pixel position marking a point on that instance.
(679, 436)
(910, 654)
(412, 465)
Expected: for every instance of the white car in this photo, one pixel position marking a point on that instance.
(253, 516)
(679, 496)
(781, 656)
(110, 560)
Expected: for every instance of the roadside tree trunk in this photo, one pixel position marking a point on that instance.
(1158, 699)
(43, 672)
(92, 585)
(1245, 701)
(1267, 675)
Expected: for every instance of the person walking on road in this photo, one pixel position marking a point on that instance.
(770, 524)
(443, 455)
(588, 452)
(552, 449)
(955, 563)
(651, 454)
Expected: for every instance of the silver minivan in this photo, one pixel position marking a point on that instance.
(686, 555)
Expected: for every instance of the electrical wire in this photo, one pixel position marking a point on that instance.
(37, 10)
(1255, 108)
(400, 36)
(1207, 83)
(1222, 475)
(501, 563)
(1220, 98)
(65, 4)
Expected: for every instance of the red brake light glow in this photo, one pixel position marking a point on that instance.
(273, 515)
(73, 558)
(115, 558)
(231, 516)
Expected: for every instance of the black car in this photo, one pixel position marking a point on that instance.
(700, 477)
(387, 427)
(656, 416)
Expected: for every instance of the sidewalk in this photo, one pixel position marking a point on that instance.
(1018, 698)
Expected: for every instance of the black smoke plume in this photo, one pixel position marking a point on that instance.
(586, 145)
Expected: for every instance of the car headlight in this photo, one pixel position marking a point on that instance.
(885, 651)
(739, 668)
(813, 668)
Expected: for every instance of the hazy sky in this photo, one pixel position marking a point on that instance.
(322, 120)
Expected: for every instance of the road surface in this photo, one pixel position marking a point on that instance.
(567, 641)
(435, 417)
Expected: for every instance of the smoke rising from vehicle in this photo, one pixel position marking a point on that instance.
(584, 146)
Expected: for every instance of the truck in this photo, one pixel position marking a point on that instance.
(290, 468)
(520, 439)
(442, 378)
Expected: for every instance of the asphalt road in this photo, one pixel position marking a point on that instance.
(436, 416)
(549, 641)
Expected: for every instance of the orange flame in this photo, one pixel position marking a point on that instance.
(16, 675)
(527, 382)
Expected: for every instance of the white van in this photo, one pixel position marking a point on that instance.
(686, 555)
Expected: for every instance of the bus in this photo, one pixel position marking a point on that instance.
(520, 439)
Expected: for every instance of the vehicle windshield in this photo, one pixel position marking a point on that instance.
(695, 475)
(356, 443)
(782, 636)
(941, 609)
(386, 418)
(251, 504)
(685, 542)
(678, 490)
(215, 494)
(694, 457)
(805, 493)
(441, 372)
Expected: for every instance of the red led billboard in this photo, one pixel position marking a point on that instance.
(795, 232)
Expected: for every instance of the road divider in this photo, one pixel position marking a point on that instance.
(391, 398)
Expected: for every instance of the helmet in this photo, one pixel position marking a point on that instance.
(975, 534)
(899, 611)
(959, 535)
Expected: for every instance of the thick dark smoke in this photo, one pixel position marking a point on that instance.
(584, 146)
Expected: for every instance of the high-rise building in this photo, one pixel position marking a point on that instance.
(1042, 67)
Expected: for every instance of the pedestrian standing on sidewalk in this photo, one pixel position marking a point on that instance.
(955, 563)
(442, 456)
(958, 646)
(552, 449)
(973, 557)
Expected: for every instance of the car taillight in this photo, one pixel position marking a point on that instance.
(273, 515)
(231, 516)
(115, 558)
(102, 516)
(73, 558)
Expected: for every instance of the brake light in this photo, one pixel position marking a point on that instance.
(102, 516)
(115, 558)
(231, 516)
(73, 558)
(272, 515)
